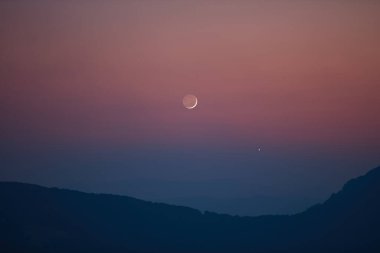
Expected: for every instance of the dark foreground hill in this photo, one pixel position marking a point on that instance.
(39, 219)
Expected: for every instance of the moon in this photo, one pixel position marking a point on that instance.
(190, 101)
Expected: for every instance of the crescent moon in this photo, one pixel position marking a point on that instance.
(190, 101)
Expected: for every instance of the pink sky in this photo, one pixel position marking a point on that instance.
(268, 72)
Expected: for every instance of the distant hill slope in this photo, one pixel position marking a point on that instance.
(39, 219)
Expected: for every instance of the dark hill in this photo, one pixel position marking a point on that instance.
(39, 219)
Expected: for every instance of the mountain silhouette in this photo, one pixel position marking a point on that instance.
(40, 219)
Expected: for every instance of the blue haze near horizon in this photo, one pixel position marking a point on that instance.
(220, 180)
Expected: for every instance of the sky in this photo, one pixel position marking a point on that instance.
(288, 99)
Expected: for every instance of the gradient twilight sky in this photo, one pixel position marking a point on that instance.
(91, 96)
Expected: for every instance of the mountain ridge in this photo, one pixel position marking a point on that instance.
(40, 219)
